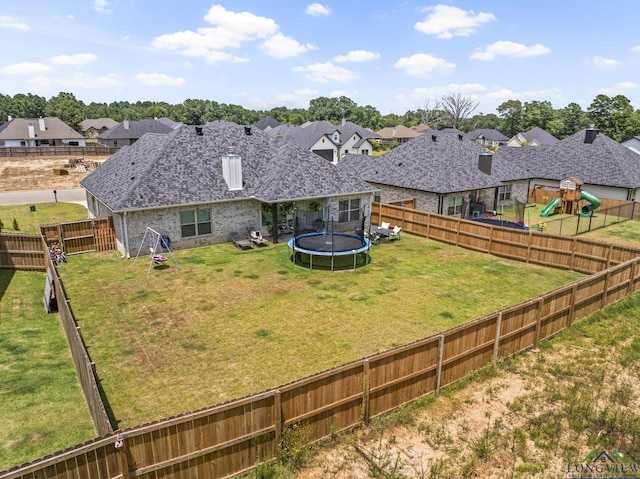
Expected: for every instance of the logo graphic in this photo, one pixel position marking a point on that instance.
(603, 464)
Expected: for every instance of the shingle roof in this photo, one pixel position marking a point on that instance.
(135, 130)
(267, 121)
(97, 123)
(399, 131)
(55, 129)
(308, 134)
(446, 165)
(604, 162)
(538, 134)
(183, 168)
(488, 133)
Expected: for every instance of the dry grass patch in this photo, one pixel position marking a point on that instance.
(230, 323)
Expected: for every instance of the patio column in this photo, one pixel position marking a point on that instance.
(274, 221)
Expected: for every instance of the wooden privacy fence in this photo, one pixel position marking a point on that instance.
(231, 438)
(94, 234)
(89, 150)
(22, 252)
(85, 368)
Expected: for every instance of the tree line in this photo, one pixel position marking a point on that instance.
(614, 116)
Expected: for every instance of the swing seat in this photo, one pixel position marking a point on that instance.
(159, 258)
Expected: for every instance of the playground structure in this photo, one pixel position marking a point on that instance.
(568, 198)
(158, 248)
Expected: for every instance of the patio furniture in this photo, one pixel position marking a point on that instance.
(256, 238)
(240, 242)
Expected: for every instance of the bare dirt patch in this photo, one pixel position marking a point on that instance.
(45, 173)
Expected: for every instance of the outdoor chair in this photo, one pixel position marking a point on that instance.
(395, 233)
(384, 225)
(239, 242)
(257, 239)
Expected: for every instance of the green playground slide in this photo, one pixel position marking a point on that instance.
(594, 202)
(550, 207)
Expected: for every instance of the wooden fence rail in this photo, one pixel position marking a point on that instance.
(232, 438)
(89, 150)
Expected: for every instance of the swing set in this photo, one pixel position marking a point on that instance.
(158, 248)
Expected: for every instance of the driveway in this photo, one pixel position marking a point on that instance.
(75, 195)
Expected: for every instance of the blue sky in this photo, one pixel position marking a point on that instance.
(393, 55)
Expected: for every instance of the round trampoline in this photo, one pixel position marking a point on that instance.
(329, 251)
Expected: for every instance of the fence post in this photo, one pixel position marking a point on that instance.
(490, 237)
(529, 245)
(573, 252)
(605, 289)
(536, 336)
(632, 276)
(440, 356)
(365, 392)
(428, 223)
(123, 453)
(609, 254)
(572, 306)
(496, 343)
(458, 232)
(277, 419)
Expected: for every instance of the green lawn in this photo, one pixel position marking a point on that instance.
(28, 221)
(42, 408)
(231, 323)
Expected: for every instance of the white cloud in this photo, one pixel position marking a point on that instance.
(421, 64)
(101, 6)
(446, 21)
(326, 72)
(158, 79)
(298, 98)
(230, 30)
(635, 49)
(244, 23)
(357, 56)
(602, 63)
(281, 46)
(12, 23)
(84, 80)
(317, 9)
(509, 49)
(618, 88)
(39, 83)
(26, 68)
(78, 59)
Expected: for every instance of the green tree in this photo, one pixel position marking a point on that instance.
(66, 108)
(613, 116)
(511, 117)
(537, 113)
(489, 121)
(567, 121)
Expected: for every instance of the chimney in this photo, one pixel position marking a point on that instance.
(393, 133)
(232, 169)
(32, 131)
(9, 118)
(125, 124)
(484, 162)
(344, 121)
(42, 125)
(590, 134)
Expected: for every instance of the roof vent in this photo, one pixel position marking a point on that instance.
(247, 130)
(199, 131)
(232, 169)
(484, 162)
(433, 137)
(460, 137)
(590, 134)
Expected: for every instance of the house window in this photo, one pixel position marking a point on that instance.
(504, 193)
(195, 222)
(349, 210)
(455, 205)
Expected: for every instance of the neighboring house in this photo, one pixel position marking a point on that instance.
(267, 123)
(633, 144)
(48, 131)
(327, 140)
(443, 173)
(399, 134)
(420, 128)
(198, 184)
(170, 122)
(607, 168)
(91, 128)
(128, 132)
(534, 137)
(487, 137)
